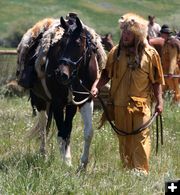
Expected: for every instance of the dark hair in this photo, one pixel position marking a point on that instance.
(165, 29)
(151, 17)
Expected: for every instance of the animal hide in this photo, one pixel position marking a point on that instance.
(101, 54)
(30, 37)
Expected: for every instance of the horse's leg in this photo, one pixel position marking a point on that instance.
(58, 113)
(86, 112)
(43, 118)
(39, 128)
(64, 132)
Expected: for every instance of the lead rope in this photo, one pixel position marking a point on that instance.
(157, 131)
(138, 130)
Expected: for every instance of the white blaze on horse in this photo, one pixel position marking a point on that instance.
(66, 62)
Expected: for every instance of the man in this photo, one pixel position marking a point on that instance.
(134, 69)
(170, 56)
(153, 28)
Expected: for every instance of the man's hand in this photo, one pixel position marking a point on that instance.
(94, 91)
(158, 95)
(159, 108)
(99, 82)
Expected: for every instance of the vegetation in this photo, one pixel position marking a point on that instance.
(24, 171)
(16, 16)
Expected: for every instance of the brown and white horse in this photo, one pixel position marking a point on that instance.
(70, 67)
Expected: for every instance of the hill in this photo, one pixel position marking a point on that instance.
(16, 16)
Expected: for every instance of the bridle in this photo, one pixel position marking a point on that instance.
(75, 65)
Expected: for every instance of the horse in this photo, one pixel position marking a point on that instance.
(157, 43)
(70, 68)
(73, 66)
(28, 53)
(107, 41)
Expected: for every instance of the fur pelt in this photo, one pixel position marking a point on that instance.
(30, 37)
(51, 34)
(96, 40)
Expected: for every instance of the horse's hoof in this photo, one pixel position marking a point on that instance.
(81, 168)
(68, 162)
(42, 151)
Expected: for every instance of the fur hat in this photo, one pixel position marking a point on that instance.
(135, 24)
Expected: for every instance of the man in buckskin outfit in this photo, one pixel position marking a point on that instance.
(135, 71)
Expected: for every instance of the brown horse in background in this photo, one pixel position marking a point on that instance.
(107, 41)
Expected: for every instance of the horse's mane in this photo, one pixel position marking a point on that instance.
(96, 40)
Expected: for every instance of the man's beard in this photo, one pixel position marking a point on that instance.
(129, 45)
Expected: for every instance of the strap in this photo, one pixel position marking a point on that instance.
(157, 131)
(122, 132)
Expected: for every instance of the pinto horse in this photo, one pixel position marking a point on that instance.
(70, 66)
(72, 69)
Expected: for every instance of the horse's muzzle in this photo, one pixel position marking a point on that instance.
(62, 78)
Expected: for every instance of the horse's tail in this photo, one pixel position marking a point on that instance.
(37, 128)
(49, 122)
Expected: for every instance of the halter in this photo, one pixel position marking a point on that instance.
(74, 64)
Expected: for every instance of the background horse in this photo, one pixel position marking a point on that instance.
(107, 41)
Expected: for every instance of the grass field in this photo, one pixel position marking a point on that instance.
(24, 171)
(18, 15)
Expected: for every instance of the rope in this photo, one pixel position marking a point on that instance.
(157, 132)
(122, 132)
(173, 75)
(138, 130)
(117, 130)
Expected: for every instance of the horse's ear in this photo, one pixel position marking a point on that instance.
(78, 24)
(63, 23)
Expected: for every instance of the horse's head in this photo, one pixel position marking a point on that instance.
(74, 47)
(107, 41)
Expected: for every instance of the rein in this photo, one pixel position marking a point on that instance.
(138, 130)
(75, 67)
(122, 132)
(173, 75)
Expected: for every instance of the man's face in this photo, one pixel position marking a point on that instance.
(151, 21)
(164, 35)
(128, 38)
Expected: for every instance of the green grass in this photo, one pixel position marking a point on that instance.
(19, 15)
(24, 171)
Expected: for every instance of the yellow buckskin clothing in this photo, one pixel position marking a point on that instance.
(131, 92)
(169, 58)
